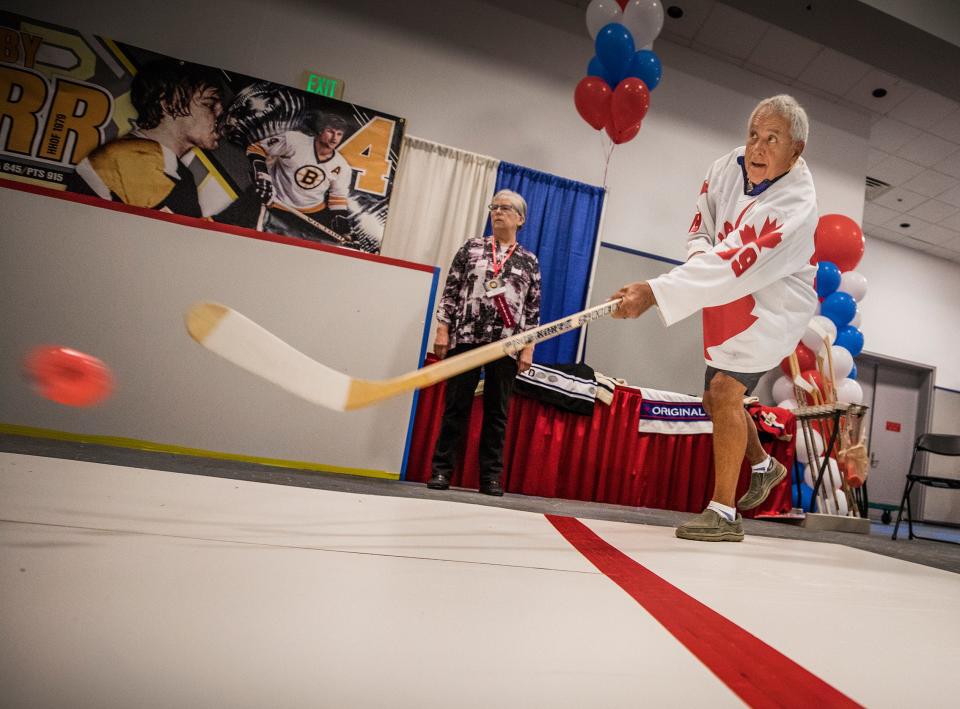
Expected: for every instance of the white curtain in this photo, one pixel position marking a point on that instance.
(439, 200)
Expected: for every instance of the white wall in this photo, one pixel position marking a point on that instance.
(911, 308)
(483, 77)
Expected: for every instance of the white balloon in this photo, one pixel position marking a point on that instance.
(853, 283)
(856, 317)
(813, 338)
(790, 403)
(849, 391)
(644, 19)
(831, 476)
(802, 449)
(835, 508)
(782, 389)
(601, 13)
(842, 362)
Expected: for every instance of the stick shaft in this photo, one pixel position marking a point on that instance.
(314, 223)
(365, 392)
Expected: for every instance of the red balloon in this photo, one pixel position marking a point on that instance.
(630, 102)
(839, 239)
(622, 4)
(805, 358)
(69, 377)
(622, 136)
(813, 376)
(592, 100)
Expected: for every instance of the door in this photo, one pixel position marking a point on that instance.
(898, 395)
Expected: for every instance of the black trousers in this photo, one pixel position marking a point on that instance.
(497, 388)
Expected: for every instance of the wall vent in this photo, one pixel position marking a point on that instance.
(876, 187)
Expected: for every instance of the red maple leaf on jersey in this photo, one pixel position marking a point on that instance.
(770, 236)
(723, 322)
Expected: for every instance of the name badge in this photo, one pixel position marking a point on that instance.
(493, 287)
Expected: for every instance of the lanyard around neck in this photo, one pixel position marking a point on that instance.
(493, 254)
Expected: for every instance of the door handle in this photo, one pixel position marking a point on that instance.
(873, 460)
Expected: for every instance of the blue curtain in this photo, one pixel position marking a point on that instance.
(563, 217)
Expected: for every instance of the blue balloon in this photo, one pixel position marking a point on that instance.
(803, 499)
(850, 337)
(645, 65)
(853, 372)
(596, 68)
(828, 278)
(839, 307)
(615, 48)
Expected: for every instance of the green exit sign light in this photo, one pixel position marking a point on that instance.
(324, 85)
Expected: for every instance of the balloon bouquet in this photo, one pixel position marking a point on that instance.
(615, 94)
(821, 369)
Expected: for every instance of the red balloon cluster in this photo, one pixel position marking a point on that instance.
(619, 112)
(838, 239)
(805, 358)
(69, 377)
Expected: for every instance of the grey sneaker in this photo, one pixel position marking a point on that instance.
(761, 484)
(711, 526)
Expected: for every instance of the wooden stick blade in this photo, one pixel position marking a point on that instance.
(246, 344)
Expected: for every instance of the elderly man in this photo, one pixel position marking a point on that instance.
(749, 269)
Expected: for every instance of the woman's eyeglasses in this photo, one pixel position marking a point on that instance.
(501, 208)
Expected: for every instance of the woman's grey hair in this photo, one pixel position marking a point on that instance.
(786, 106)
(519, 202)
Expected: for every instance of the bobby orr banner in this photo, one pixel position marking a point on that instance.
(94, 116)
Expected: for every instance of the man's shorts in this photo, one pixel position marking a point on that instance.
(748, 379)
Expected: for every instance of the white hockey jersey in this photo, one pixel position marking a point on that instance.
(300, 178)
(749, 267)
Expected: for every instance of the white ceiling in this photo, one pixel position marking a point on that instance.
(915, 132)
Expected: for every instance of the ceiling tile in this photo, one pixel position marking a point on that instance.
(896, 171)
(927, 149)
(935, 234)
(949, 166)
(898, 91)
(834, 72)
(924, 108)
(912, 228)
(948, 128)
(695, 13)
(951, 196)
(875, 156)
(890, 135)
(952, 222)
(931, 183)
(934, 210)
(875, 214)
(900, 199)
(732, 32)
(784, 52)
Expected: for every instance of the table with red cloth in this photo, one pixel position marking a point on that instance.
(549, 452)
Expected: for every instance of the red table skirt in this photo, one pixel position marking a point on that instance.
(600, 458)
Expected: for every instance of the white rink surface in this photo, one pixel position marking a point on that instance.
(123, 587)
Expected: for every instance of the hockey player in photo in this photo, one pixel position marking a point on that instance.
(178, 109)
(749, 270)
(299, 177)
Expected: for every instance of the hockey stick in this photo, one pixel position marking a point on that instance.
(245, 343)
(313, 222)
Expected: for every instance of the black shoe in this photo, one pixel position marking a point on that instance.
(491, 487)
(438, 482)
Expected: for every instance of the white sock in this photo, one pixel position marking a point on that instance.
(762, 467)
(729, 512)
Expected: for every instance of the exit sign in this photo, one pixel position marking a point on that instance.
(324, 85)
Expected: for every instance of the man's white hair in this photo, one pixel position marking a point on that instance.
(518, 201)
(786, 106)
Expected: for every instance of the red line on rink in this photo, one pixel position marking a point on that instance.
(760, 675)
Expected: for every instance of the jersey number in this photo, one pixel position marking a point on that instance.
(368, 152)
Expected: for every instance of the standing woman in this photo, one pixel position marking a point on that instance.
(492, 292)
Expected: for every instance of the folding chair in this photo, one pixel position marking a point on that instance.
(937, 444)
